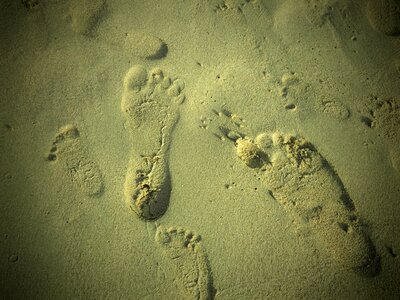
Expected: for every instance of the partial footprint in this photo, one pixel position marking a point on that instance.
(226, 6)
(302, 181)
(286, 82)
(85, 14)
(318, 11)
(150, 103)
(293, 90)
(384, 16)
(334, 109)
(189, 260)
(384, 117)
(135, 44)
(69, 153)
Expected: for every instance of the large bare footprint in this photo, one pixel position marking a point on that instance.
(150, 103)
(305, 184)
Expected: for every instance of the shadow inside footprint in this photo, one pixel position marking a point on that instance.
(162, 52)
(148, 189)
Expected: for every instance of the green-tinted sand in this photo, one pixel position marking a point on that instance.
(233, 149)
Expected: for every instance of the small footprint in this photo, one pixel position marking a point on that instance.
(286, 82)
(334, 109)
(304, 183)
(67, 151)
(291, 90)
(189, 260)
(150, 103)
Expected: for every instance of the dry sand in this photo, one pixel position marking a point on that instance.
(219, 149)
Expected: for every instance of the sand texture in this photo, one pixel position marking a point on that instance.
(216, 149)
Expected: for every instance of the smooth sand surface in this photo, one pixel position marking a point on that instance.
(219, 149)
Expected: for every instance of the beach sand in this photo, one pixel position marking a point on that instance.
(219, 149)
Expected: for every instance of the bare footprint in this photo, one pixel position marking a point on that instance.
(85, 15)
(150, 103)
(189, 260)
(68, 151)
(304, 183)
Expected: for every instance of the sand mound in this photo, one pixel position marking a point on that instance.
(384, 16)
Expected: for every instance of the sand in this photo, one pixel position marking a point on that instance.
(234, 149)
